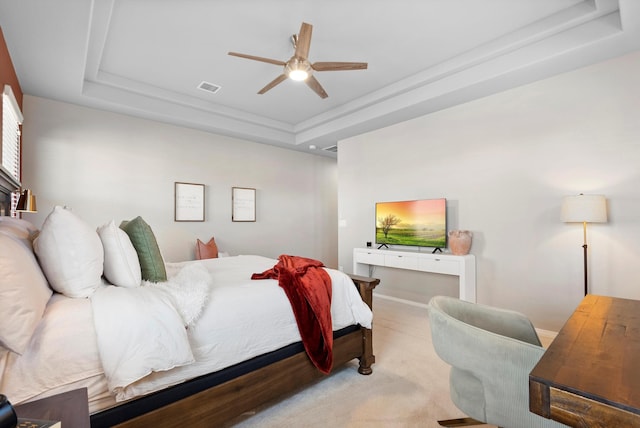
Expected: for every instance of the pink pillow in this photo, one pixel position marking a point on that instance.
(206, 251)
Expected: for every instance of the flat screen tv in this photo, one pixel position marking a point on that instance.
(420, 223)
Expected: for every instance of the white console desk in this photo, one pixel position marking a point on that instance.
(462, 266)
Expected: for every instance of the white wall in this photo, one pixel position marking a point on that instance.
(109, 166)
(504, 162)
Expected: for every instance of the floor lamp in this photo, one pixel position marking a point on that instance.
(584, 209)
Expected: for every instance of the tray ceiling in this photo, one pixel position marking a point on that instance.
(148, 58)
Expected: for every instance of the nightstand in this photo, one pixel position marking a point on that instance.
(71, 408)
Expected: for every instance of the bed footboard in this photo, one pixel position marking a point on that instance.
(365, 287)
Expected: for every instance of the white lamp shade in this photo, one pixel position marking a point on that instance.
(584, 208)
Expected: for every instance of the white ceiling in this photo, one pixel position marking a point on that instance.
(147, 57)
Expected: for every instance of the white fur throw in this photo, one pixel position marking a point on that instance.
(189, 288)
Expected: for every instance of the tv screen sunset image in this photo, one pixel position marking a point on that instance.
(420, 223)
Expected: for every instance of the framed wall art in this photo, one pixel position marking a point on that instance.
(189, 202)
(243, 203)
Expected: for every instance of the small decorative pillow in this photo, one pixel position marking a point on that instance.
(206, 251)
(144, 241)
(24, 293)
(121, 263)
(70, 254)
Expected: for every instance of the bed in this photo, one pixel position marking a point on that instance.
(238, 349)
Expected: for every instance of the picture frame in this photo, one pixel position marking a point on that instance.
(189, 201)
(243, 203)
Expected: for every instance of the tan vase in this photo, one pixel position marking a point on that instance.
(460, 242)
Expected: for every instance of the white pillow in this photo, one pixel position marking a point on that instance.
(70, 254)
(24, 293)
(19, 228)
(121, 264)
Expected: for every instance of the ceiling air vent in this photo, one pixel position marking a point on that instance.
(209, 87)
(332, 149)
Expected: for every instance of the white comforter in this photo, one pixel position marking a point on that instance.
(143, 330)
(141, 334)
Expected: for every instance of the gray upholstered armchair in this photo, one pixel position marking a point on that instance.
(491, 352)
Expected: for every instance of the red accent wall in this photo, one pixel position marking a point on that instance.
(7, 72)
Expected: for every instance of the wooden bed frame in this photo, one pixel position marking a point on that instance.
(217, 405)
(220, 404)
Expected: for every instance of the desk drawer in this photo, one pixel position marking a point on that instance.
(400, 261)
(370, 258)
(436, 265)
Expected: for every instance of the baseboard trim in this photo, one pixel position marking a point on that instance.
(547, 333)
(541, 332)
(399, 300)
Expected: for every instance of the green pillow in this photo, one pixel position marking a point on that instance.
(144, 241)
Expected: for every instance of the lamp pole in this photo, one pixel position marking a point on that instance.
(584, 247)
(584, 209)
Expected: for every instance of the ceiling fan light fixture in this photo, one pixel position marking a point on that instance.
(298, 75)
(297, 70)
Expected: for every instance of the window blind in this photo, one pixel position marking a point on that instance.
(11, 121)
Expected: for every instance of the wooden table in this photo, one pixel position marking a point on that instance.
(590, 375)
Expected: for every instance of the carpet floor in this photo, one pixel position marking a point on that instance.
(409, 386)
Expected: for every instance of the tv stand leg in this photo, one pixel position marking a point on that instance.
(383, 245)
(436, 250)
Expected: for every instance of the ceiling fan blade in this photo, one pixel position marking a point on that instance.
(304, 40)
(273, 83)
(339, 66)
(258, 58)
(313, 83)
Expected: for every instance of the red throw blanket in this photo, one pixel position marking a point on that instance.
(308, 287)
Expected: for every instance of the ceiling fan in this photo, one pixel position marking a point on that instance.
(298, 66)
